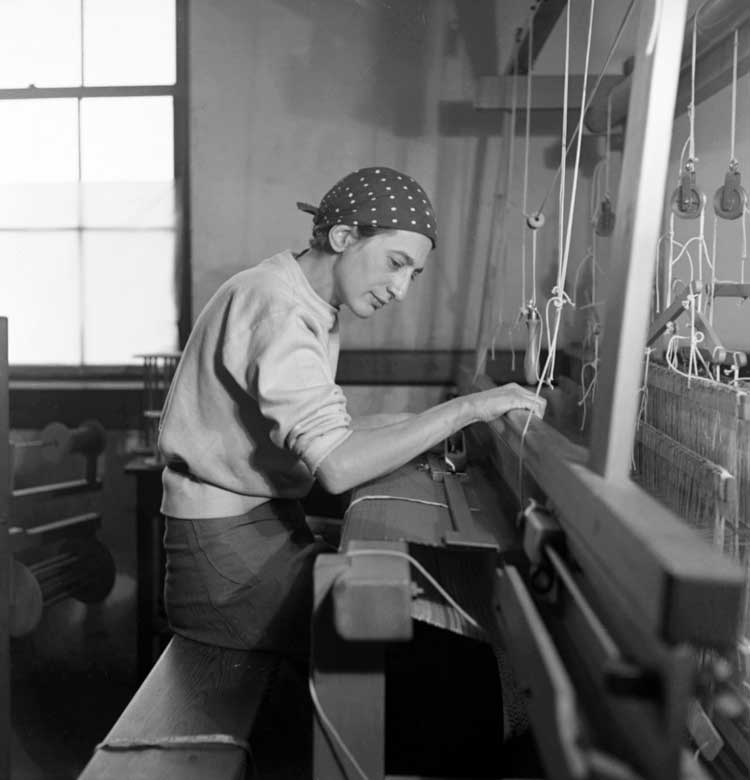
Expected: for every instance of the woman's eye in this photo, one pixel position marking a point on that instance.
(394, 263)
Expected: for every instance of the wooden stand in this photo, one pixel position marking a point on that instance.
(152, 630)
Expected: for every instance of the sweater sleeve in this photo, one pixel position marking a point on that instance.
(282, 364)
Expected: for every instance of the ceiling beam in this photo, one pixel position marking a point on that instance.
(545, 19)
(477, 25)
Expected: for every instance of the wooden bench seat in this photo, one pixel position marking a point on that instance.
(193, 689)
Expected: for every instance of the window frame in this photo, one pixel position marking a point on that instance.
(183, 276)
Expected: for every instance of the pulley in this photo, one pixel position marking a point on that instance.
(687, 199)
(535, 221)
(730, 199)
(605, 222)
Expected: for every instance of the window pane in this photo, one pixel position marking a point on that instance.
(39, 205)
(129, 301)
(40, 43)
(39, 293)
(39, 140)
(149, 204)
(127, 139)
(129, 42)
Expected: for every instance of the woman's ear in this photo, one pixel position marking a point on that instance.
(341, 236)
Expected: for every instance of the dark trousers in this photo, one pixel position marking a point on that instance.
(245, 581)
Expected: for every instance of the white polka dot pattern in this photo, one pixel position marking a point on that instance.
(376, 196)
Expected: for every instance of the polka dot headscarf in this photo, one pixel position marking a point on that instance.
(378, 197)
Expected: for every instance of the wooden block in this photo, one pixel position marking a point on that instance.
(643, 558)
(193, 689)
(349, 685)
(372, 596)
(495, 92)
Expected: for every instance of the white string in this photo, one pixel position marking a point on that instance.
(563, 145)
(586, 105)
(509, 189)
(560, 297)
(394, 498)
(533, 269)
(607, 147)
(421, 569)
(710, 302)
(743, 256)
(732, 158)
(691, 108)
(331, 730)
(527, 144)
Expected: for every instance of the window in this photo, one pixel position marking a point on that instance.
(92, 175)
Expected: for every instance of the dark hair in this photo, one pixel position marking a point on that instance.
(320, 240)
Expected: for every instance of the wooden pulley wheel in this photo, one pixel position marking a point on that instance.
(730, 199)
(94, 570)
(26, 601)
(687, 200)
(535, 221)
(55, 441)
(89, 438)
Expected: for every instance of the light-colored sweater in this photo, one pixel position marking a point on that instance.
(254, 407)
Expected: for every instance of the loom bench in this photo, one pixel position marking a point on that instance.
(193, 689)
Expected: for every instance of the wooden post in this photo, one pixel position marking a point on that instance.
(4, 555)
(639, 207)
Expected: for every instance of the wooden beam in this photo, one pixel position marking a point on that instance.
(713, 69)
(496, 92)
(645, 563)
(5, 556)
(639, 202)
(477, 23)
(731, 290)
(545, 19)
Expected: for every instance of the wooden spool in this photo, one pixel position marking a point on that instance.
(80, 569)
(531, 358)
(57, 440)
(26, 601)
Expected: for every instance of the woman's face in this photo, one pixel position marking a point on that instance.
(372, 272)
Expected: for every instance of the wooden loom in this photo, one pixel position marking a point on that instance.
(604, 641)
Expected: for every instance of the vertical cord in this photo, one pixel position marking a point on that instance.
(506, 200)
(607, 147)
(529, 67)
(691, 112)
(732, 158)
(563, 146)
(710, 304)
(668, 290)
(743, 256)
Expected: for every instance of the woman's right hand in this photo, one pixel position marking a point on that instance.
(490, 404)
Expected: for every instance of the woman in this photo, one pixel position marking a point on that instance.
(254, 415)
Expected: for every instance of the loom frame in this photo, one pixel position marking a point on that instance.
(657, 586)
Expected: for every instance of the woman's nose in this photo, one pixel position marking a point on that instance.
(400, 286)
